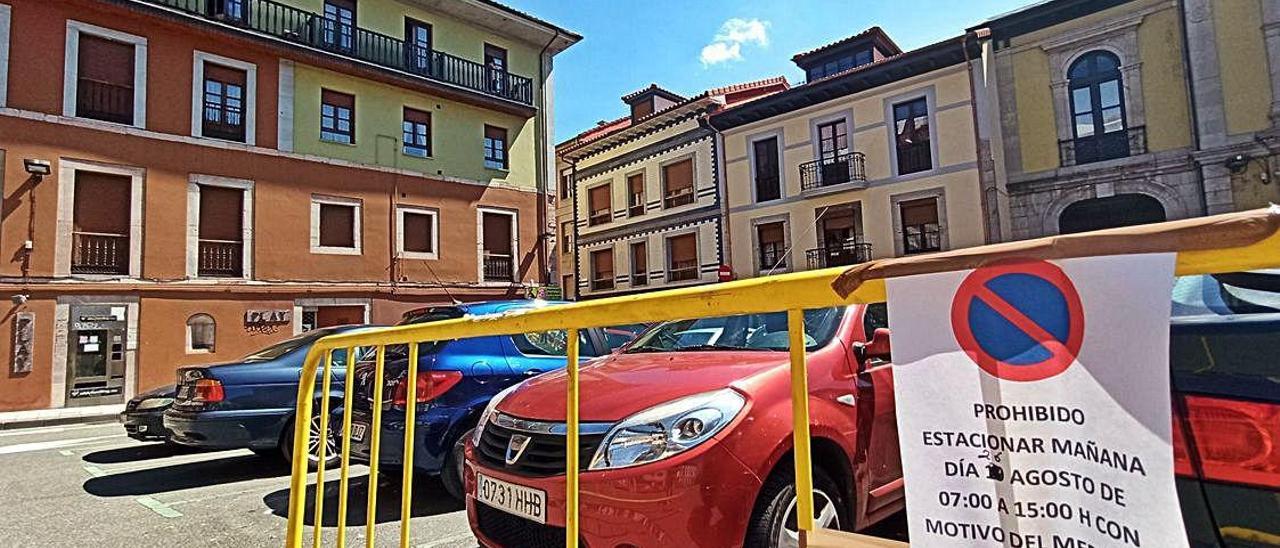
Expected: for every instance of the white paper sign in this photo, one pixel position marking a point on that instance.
(1033, 404)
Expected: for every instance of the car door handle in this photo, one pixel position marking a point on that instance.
(532, 372)
(848, 399)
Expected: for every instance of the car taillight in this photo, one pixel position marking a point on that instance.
(1235, 441)
(208, 391)
(431, 384)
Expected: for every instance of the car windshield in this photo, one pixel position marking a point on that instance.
(286, 346)
(765, 332)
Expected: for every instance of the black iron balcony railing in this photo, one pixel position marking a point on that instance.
(921, 239)
(914, 157)
(599, 217)
(99, 253)
(637, 205)
(603, 280)
(678, 197)
(683, 270)
(314, 30)
(104, 101)
(223, 130)
(220, 259)
(1105, 146)
(845, 168)
(839, 255)
(498, 267)
(772, 256)
(639, 278)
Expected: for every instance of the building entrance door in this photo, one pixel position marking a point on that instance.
(96, 355)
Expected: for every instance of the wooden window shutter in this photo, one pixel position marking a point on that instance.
(221, 213)
(679, 175)
(102, 203)
(337, 225)
(684, 248)
(105, 60)
(919, 212)
(417, 233)
(224, 74)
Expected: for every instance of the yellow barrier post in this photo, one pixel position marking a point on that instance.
(571, 443)
(323, 444)
(345, 474)
(800, 421)
(410, 420)
(301, 438)
(375, 445)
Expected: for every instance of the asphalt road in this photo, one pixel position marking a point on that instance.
(90, 486)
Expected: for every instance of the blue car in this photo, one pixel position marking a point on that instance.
(456, 379)
(250, 403)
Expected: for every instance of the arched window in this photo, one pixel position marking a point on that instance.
(1096, 95)
(201, 332)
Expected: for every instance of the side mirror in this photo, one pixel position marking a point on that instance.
(877, 348)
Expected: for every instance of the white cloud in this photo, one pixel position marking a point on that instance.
(720, 52)
(727, 44)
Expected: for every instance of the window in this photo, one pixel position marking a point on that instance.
(417, 132)
(337, 117)
(768, 182)
(839, 64)
(105, 79)
(220, 235)
(599, 205)
(639, 264)
(495, 65)
(100, 223)
(771, 239)
(911, 136)
(682, 257)
(417, 43)
(418, 235)
(566, 184)
(201, 333)
(223, 113)
(840, 235)
(833, 140)
(677, 183)
(495, 147)
(1097, 108)
(335, 225)
(498, 245)
(635, 194)
(921, 231)
(338, 28)
(602, 269)
(566, 237)
(232, 10)
(552, 343)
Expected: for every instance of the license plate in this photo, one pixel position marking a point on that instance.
(357, 431)
(522, 501)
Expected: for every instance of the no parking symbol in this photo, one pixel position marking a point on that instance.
(1019, 320)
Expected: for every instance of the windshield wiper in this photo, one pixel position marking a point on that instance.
(647, 350)
(717, 348)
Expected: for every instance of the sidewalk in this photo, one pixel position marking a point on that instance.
(49, 417)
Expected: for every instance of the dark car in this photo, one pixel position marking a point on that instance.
(143, 416)
(250, 403)
(456, 379)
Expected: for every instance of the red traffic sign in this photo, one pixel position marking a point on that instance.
(725, 272)
(1019, 320)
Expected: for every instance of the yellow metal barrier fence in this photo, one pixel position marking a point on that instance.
(790, 292)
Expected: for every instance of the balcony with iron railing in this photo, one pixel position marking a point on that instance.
(845, 254)
(498, 267)
(677, 197)
(314, 30)
(600, 216)
(99, 253)
(1104, 146)
(849, 167)
(683, 270)
(639, 278)
(105, 101)
(772, 257)
(637, 205)
(220, 259)
(603, 280)
(926, 238)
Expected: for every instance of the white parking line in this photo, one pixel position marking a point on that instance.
(50, 429)
(94, 471)
(46, 445)
(158, 507)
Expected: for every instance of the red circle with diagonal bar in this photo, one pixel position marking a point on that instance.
(1019, 319)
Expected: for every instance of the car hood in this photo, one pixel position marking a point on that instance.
(618, 386)
(167, 391)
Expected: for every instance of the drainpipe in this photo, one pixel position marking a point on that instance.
(1191, 103)
(987, 187)
(722, 190)
(393, 263)
(573, 205)
(540, 162)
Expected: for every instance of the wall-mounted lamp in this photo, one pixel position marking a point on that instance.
(39, 168)
(1238, 163)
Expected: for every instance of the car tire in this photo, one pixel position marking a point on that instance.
(773, 522)
(332, 455)
(451, 474)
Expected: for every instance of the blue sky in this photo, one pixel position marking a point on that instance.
(630, 43)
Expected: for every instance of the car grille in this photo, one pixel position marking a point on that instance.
(510, 530)
(544, 456)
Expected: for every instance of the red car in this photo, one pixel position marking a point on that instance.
(686, 438)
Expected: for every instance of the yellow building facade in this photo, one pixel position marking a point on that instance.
(876, 160)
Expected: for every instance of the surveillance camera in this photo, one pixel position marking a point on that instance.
(18, 299)
(1237, 164)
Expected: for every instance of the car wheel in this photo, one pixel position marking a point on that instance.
(451, 475)
(773, 522)
(332, 456)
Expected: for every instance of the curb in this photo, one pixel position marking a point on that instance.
(57, 421)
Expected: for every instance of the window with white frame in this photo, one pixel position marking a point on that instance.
(5, 17)
(335, 225)
(105, 75)
(419, 233)
(223, 98)
(201, 333)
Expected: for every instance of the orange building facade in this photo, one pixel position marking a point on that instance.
(167, 200)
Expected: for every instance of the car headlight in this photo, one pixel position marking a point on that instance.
(154, 403)
(488, 412)
(668, 429)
